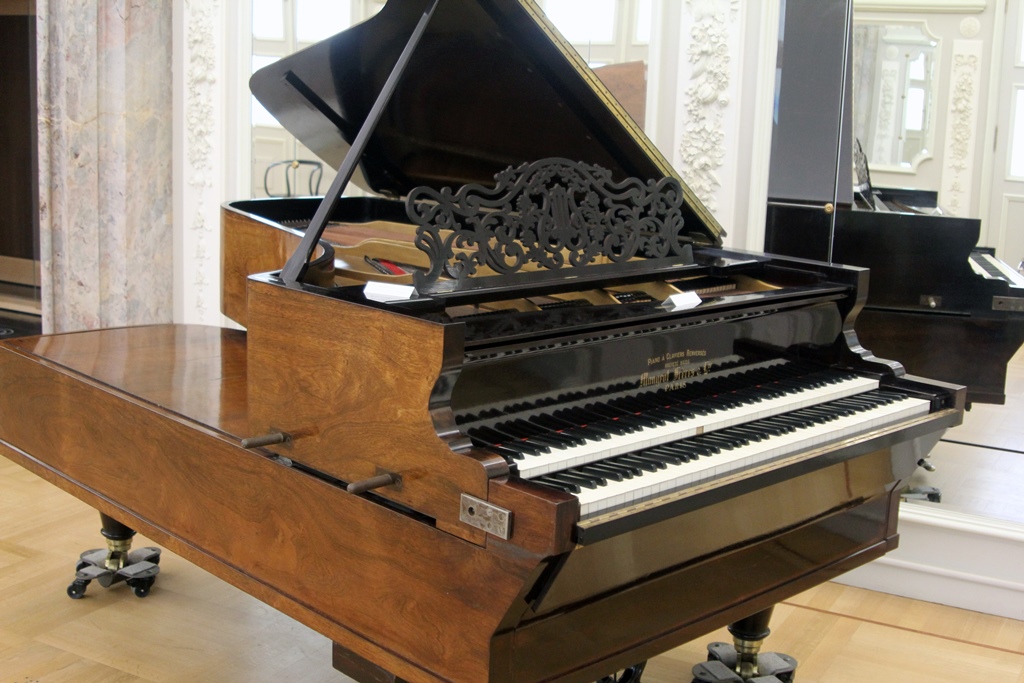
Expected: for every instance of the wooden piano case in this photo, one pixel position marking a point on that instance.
(167, 406)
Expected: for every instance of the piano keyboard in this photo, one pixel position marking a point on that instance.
(990, 267)
(634, 477)
(619, 450)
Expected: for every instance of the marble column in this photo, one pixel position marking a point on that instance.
(105, 174)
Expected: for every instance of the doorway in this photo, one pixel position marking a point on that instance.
(19, 230)
(1006, 200)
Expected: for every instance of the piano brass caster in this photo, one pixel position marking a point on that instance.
(117, 553)
(746, 657)
(137, 568)
(725, 663)
(629, 675)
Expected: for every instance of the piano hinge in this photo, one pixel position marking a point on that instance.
(1008, 303)
(483, 515)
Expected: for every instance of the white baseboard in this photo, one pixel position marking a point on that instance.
(952, 559)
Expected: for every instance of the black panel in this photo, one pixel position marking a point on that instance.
(801, 231)
(916, 261)
(17, 137)
(805, 139)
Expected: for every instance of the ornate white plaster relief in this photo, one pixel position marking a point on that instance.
(961, 127)
(702, 148)
(885, 130)
(970, 27)
(198, 269)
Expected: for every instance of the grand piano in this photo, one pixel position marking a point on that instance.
(518, 416)
(946, 307)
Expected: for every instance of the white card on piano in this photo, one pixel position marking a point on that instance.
(681, 301)
(388, 291)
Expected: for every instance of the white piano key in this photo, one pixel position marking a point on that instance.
(1005, 270)
(674, 477)
(562, 458)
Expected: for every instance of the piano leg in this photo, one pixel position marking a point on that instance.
(630, 675)
(116, 563)
(743, 660)
(361, 669)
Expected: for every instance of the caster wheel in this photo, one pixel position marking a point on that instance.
(142, 586)
(76, 591)
(81, 565)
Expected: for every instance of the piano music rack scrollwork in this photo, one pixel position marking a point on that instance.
(550, 213)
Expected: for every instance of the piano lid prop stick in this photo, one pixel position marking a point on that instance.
(298, 262)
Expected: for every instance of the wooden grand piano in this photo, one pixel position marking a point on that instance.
(520, 417)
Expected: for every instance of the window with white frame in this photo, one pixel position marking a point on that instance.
(279, 28)
(604, 32)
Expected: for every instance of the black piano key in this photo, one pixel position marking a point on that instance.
(815, 412)
(579, 479)
(533, 429)
(549, 439)
(507, 453)
(606, 472)
(794, 419)
(643, 463)
(693, 445)
(568, 487)
(496, 438)
(585, 417)
(628, 470)
(781, 426)
(724, 439)
(611, 411)
(698, 408)
(664, 456)
(652, 416)
(661, 461)
(584, 432)
(684, 456)
(756, 433)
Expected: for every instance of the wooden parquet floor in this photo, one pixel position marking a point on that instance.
(195, 628)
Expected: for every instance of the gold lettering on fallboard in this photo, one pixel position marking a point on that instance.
(674, 378)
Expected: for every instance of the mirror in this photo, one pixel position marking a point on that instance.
(894, 88)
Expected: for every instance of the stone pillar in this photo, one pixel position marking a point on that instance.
(104, 86)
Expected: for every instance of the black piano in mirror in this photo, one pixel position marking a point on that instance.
(939, 303)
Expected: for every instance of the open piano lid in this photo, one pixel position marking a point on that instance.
(491, 85)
